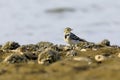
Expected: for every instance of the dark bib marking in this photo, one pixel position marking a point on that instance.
(66, 36)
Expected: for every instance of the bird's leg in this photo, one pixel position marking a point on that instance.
(71, 46)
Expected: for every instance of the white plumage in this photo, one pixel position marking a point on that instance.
(71, 38)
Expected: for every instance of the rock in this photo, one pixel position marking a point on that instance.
(48, 56)
(31, 55)
(10, 45)
(56, 48)
(84, 45)
(28, 48)
(44, 45)
(15, 58)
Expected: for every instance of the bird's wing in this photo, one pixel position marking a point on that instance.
(74, 37)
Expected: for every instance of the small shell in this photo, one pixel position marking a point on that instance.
(94, 49)
(100, 58)
(83, 59)
(118, 55)
(67, 48)
(83, 50)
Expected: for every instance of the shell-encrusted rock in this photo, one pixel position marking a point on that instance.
(10, 45)
(48, 56)
(83, 45)
(28, 48)
(44, 44)
(15, 58)
(83, 59)
(105, 42)
(56, 48)
(31, 55)
(61, 47)
(100, 58)
(71, 53)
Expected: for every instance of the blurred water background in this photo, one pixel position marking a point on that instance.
(32, 21)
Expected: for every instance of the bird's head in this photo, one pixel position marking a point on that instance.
(67, 30)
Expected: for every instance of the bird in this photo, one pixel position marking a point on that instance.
(71, 38)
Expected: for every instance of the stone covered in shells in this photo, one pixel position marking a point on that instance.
(48, 56)
(10, 45)
(83, 45)
(15, 58)
(31, 55)
(44, 44)
(28, 48)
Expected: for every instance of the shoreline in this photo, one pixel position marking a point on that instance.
(87, 59)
